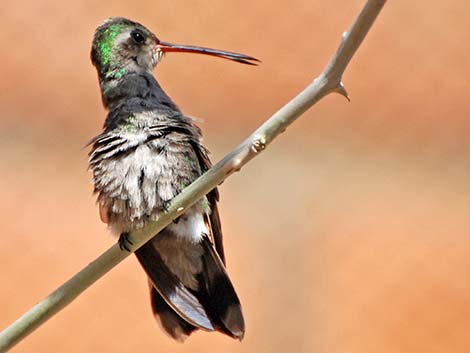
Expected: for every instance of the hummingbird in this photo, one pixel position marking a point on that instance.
(147, 153)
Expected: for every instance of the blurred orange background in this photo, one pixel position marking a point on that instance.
(349, 234)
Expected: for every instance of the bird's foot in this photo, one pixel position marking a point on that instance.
(124, 242)
(166, 207)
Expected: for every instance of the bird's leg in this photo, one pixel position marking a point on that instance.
(166, 206)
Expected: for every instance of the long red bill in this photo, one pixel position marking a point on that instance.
(166, 47)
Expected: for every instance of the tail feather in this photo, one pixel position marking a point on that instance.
(173, 324)
(214, 305)
(181, 300)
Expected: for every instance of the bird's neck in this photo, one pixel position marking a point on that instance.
(139, 89)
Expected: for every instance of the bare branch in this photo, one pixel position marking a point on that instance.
(330, 80)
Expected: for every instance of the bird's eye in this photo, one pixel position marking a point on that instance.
(138, 37)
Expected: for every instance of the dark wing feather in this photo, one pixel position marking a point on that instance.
(212, 197)
(219, 297)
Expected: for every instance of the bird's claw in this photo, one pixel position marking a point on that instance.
(124, 242)
(166, 206)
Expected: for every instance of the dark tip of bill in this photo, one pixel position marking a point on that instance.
(248, 60)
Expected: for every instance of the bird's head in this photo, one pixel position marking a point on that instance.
(122, 46)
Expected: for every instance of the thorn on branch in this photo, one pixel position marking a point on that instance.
(342, 90)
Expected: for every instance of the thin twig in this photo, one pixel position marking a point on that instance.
(327, 82)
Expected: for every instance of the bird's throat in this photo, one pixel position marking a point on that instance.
(140, 89)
